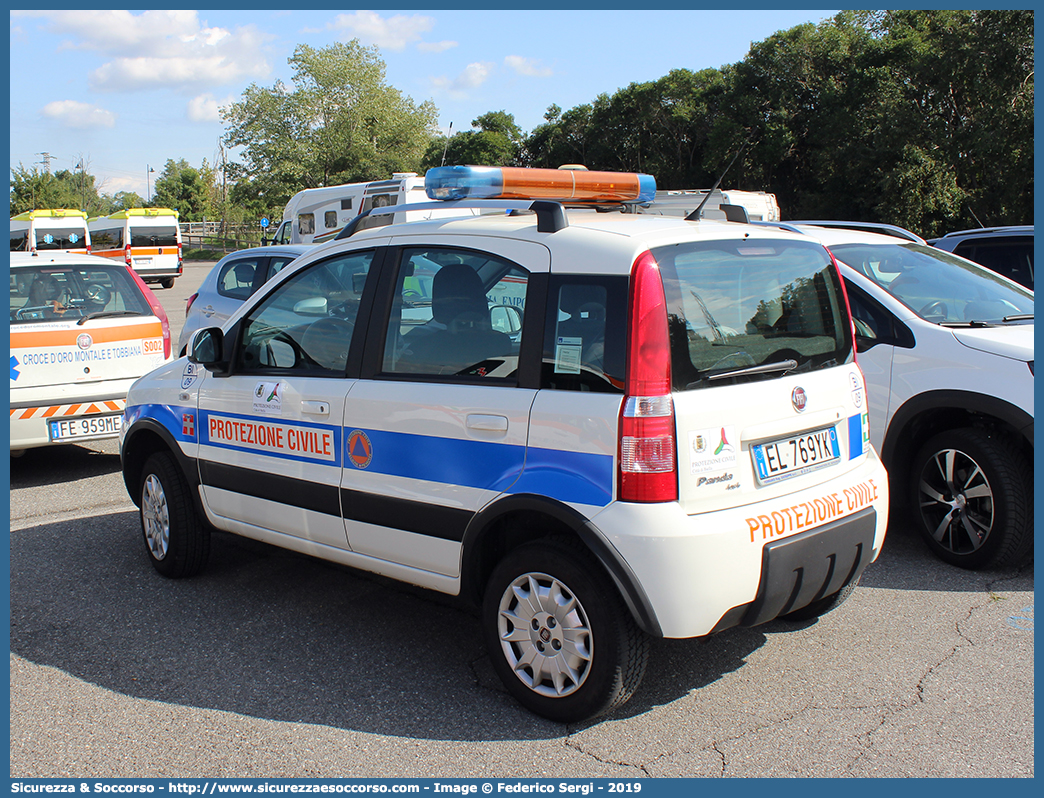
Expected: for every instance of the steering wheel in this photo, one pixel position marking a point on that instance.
(98, 294)
(937, 308)
(326, 342)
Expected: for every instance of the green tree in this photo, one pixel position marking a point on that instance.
(184, 188)
(32, 189)
(496, 141)
(339, 123)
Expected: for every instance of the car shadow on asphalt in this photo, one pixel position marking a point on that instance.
(37, 467)
(270, 634)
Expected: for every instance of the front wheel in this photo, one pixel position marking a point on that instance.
(972, 497)
(558, 633)
(177, 542)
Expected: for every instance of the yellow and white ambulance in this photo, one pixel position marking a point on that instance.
(148, 240)
(50, 229)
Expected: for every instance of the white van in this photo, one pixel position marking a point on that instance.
(147, 239)
(51, 229)
(317, 215)
(760, 206)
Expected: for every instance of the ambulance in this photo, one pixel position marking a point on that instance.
(600, 428)
(318, 215)
(51, 229)
(147, 240)
(84, 331)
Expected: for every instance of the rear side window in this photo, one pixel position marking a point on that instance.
(735, 306)
(18, 240)
(1011, 257)
(585, 337)
(159, 236)
(72, 292)
(61, 238)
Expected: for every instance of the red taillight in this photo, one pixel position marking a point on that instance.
(127, 254)
(179, 257)
(157, 310)
(848, 305)
(188, 303)
(88, 249)
(648, 457)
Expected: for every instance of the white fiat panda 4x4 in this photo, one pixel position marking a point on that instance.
(598, 426)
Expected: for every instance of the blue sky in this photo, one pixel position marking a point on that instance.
(126, 90)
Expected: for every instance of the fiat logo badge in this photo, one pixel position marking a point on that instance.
(799, 399)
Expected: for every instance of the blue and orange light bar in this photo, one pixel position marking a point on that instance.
(563, 185)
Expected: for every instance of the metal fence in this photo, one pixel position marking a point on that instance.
(220, 237)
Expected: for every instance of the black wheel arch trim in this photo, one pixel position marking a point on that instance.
(625, 580)
(188, 466)
(1016, 417)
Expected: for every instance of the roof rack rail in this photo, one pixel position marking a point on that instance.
(866, 227)
(550, 215)
(789, 226)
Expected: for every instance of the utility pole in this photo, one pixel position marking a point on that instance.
(449, 133)
(45, 159)
(83, 186)
(148, 192)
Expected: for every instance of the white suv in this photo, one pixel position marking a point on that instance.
(946, 346)
(597, 426)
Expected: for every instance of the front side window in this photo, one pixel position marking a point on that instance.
(61, 238)
(936, 285)
(306, 324)
(74, 292)
(154, 236)
(456, 312)
(751, 310)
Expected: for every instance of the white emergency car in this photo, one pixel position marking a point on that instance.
(82, 330)
(946, 347)
(599, 426)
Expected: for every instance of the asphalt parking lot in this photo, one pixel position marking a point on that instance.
(271, 664)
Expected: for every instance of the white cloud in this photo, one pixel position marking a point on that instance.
(207, 108)
(435, 47)
(527, 67)
(170, 49)
(390, 33)
(71, 113)
(473, 76)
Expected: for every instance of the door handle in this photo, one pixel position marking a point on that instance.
(315, 408)
(487, 423)
(208, 311)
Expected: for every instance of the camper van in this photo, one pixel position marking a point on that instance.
(759, 206)
(51, 229)
(317, 215)
(148, 240)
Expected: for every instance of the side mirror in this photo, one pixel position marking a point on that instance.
(206, 348)
(313, 306)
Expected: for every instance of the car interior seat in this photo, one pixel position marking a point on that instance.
(458, 301)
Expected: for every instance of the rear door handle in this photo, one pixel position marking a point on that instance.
(487, 423)
(315, 408)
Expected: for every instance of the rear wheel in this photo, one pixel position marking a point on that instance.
(168, 282)
(558, 633)
(177, 542)
(973, 499)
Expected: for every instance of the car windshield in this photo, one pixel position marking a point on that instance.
(52, 292)
(751, 310)
(937, 286)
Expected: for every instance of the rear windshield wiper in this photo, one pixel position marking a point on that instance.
(779, 366)
(101, 314)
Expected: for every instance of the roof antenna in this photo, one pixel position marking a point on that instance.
(448, 134)
(695, 215)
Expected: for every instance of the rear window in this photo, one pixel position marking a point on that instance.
(61, 238)
(73, 292)
(161, 236)
(741, 311)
